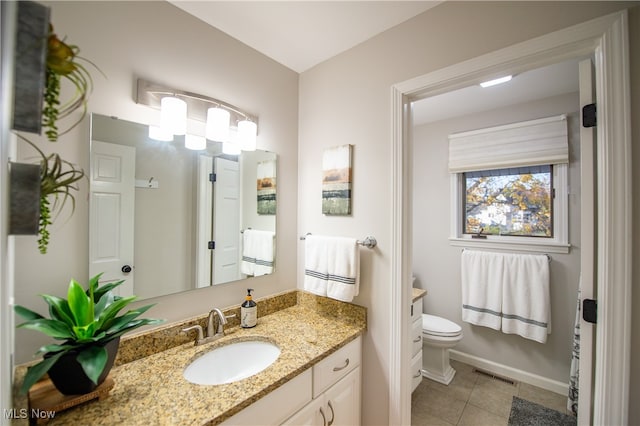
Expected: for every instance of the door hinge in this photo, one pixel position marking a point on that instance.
(589, 116)
(589, 308)
(212, 177)
(211, 245)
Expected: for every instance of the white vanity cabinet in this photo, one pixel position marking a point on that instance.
(330, 388)
(416, 343)
(336, 390)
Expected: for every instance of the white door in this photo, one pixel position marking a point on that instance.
(226, 221)
(587, 250)
(112, 198)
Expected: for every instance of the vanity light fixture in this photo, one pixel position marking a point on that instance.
(173, 115)
(247, 131)
(224, 122)
(159, 134)
(496, 81)
(195, 142)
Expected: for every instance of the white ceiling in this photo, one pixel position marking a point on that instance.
(301, 34)
(540, 83)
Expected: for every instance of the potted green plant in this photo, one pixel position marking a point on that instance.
(58, 179)
(89, 324)
(63, 62)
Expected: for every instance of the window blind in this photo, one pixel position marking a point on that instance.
(527, 143)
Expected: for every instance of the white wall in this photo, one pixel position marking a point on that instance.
(436, 263)
(347, 100)
(160, 43)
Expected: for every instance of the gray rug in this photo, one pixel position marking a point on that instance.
(527, 413)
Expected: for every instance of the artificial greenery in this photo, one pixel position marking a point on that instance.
(85, 321)
(58, 179)
(63, 62)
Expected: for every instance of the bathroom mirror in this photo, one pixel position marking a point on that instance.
(168, 219)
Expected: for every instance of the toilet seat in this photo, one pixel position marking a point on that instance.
(436, 326)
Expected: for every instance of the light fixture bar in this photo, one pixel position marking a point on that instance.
(496, 81)
(151, 94)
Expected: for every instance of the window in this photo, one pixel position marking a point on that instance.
(510, 183)
(509, 202)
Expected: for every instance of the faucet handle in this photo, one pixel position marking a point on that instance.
(197, 327)
(229, 316)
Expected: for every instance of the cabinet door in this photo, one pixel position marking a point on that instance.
(343, 401)
(310, 415)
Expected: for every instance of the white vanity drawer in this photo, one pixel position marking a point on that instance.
(335, 366)
(416, 371)
(416, 310)
(416, 337)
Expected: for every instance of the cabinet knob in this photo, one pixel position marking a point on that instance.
(324, 419)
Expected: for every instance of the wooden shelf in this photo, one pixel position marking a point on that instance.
(45, 399)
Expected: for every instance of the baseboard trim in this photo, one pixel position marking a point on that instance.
(510, 372)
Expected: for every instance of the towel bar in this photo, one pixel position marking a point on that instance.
(548, 255)
(368, 242)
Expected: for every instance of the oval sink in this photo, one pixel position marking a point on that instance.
(231, 362)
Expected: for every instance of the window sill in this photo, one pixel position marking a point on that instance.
(539, 247)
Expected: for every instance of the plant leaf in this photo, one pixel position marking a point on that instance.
(80, 304)
(59, 309)
(93, 286)
(35, 372)
(26, 313)
(121, 321)
(112, 310)
(52, 328)
(54, 348)
(93, 360)
(97, 295)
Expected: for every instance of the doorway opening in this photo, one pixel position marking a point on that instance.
(605, 38)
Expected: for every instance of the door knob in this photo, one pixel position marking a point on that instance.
(126, 269)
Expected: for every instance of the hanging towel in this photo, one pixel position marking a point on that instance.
(332, 267)
(525, 296)
(482, 276)
(574, 375)
(257, 252)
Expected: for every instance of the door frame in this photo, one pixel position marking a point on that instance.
(607, 39)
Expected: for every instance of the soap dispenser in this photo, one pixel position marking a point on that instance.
(248, 311)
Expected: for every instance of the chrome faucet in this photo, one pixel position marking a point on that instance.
(211, 336)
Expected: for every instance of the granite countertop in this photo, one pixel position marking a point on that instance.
(417, 293)
(152, 389)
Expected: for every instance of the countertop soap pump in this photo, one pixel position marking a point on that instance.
(248, 311)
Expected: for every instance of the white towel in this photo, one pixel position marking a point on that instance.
(525, 296)
(257, 252)
(482, 275)
(332, 267)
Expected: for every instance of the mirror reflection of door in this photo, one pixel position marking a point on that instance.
(226, 221)
(111, 220)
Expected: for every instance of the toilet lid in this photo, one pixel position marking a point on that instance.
(438, 326)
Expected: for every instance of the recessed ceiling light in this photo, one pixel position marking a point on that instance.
(496, 81)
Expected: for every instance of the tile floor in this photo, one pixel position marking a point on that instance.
(474, 399)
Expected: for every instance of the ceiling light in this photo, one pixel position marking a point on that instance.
(218, 124)
(173, 115)
(195, 142)
(496, 81)
(159, 134)
(247, 132)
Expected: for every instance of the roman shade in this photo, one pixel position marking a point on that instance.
(527, 143)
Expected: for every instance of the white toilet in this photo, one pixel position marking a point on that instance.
(438, 336)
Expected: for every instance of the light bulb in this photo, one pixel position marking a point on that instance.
(195, 142)
(159, 134)
(218, 124)
(173, 115)
(247, 131)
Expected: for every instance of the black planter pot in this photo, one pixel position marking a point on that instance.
(68, 376)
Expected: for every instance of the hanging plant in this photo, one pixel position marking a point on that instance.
(58, 180)
(63, 63)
